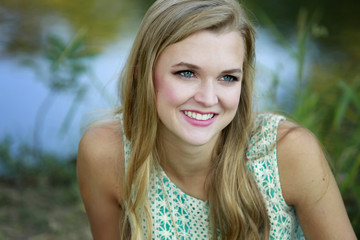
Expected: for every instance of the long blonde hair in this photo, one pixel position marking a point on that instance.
(237, 209)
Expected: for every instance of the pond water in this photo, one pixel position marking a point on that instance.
(22, 95)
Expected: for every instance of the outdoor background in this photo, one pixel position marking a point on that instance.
(59, 63)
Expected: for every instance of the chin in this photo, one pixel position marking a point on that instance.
(199, 141)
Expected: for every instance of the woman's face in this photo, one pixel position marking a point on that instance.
(198, 86)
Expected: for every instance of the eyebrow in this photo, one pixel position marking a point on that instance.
(184, 64)
(195, 67)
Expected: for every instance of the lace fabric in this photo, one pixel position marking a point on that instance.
(262, 163)
(191, 215)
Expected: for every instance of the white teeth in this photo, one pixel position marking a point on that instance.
(198, 116)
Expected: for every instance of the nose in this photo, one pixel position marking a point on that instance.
(206, 93)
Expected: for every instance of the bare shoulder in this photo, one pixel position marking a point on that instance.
(102, 140)
(101, 152)
(308, 184)
(301, 161)
(100, 170)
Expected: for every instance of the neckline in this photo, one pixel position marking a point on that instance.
(173, 185)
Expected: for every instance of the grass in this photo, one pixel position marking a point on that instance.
(39, 197)
(37, 213)
(41, 213)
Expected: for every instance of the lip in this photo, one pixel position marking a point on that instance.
(199, 123)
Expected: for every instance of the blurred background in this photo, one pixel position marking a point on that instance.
(59, 63)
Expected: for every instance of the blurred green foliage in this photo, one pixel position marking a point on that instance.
(23, 25)
(325, 98)
(22, 168)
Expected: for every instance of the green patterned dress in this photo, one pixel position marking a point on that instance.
(191, 215)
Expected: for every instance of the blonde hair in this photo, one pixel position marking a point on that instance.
(237, 209)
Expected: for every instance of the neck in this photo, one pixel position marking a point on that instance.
(187, 166)
(186, 160)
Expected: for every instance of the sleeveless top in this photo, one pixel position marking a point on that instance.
(191, 215)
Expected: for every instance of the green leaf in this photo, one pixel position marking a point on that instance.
(343, 104)
(351, 176)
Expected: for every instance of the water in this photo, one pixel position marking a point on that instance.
(22, 93)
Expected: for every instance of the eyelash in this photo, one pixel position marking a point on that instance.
(234, 79)
(182, 74)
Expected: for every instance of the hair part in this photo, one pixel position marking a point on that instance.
(237, 209)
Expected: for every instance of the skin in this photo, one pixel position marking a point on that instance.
(306, 179)
(309, 185)
(100, 169)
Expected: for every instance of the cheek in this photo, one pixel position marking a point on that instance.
(166, 93)
(170, 95)
(232, 99)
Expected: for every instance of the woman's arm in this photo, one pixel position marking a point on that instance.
(309, 185)
(100, 168)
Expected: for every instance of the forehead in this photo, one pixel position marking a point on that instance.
(202, 46)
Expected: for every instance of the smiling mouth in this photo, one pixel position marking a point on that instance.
(198, 116)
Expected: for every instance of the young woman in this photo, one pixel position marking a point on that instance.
(186, 158)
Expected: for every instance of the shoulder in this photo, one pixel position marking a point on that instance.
(302, 163)
(101, 157)
(102, 138)
(308, 184)
(100, 171)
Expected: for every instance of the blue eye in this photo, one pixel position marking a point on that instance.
(186, 74)
(229, 78)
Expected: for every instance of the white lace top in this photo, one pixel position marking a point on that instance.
(191, 215)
